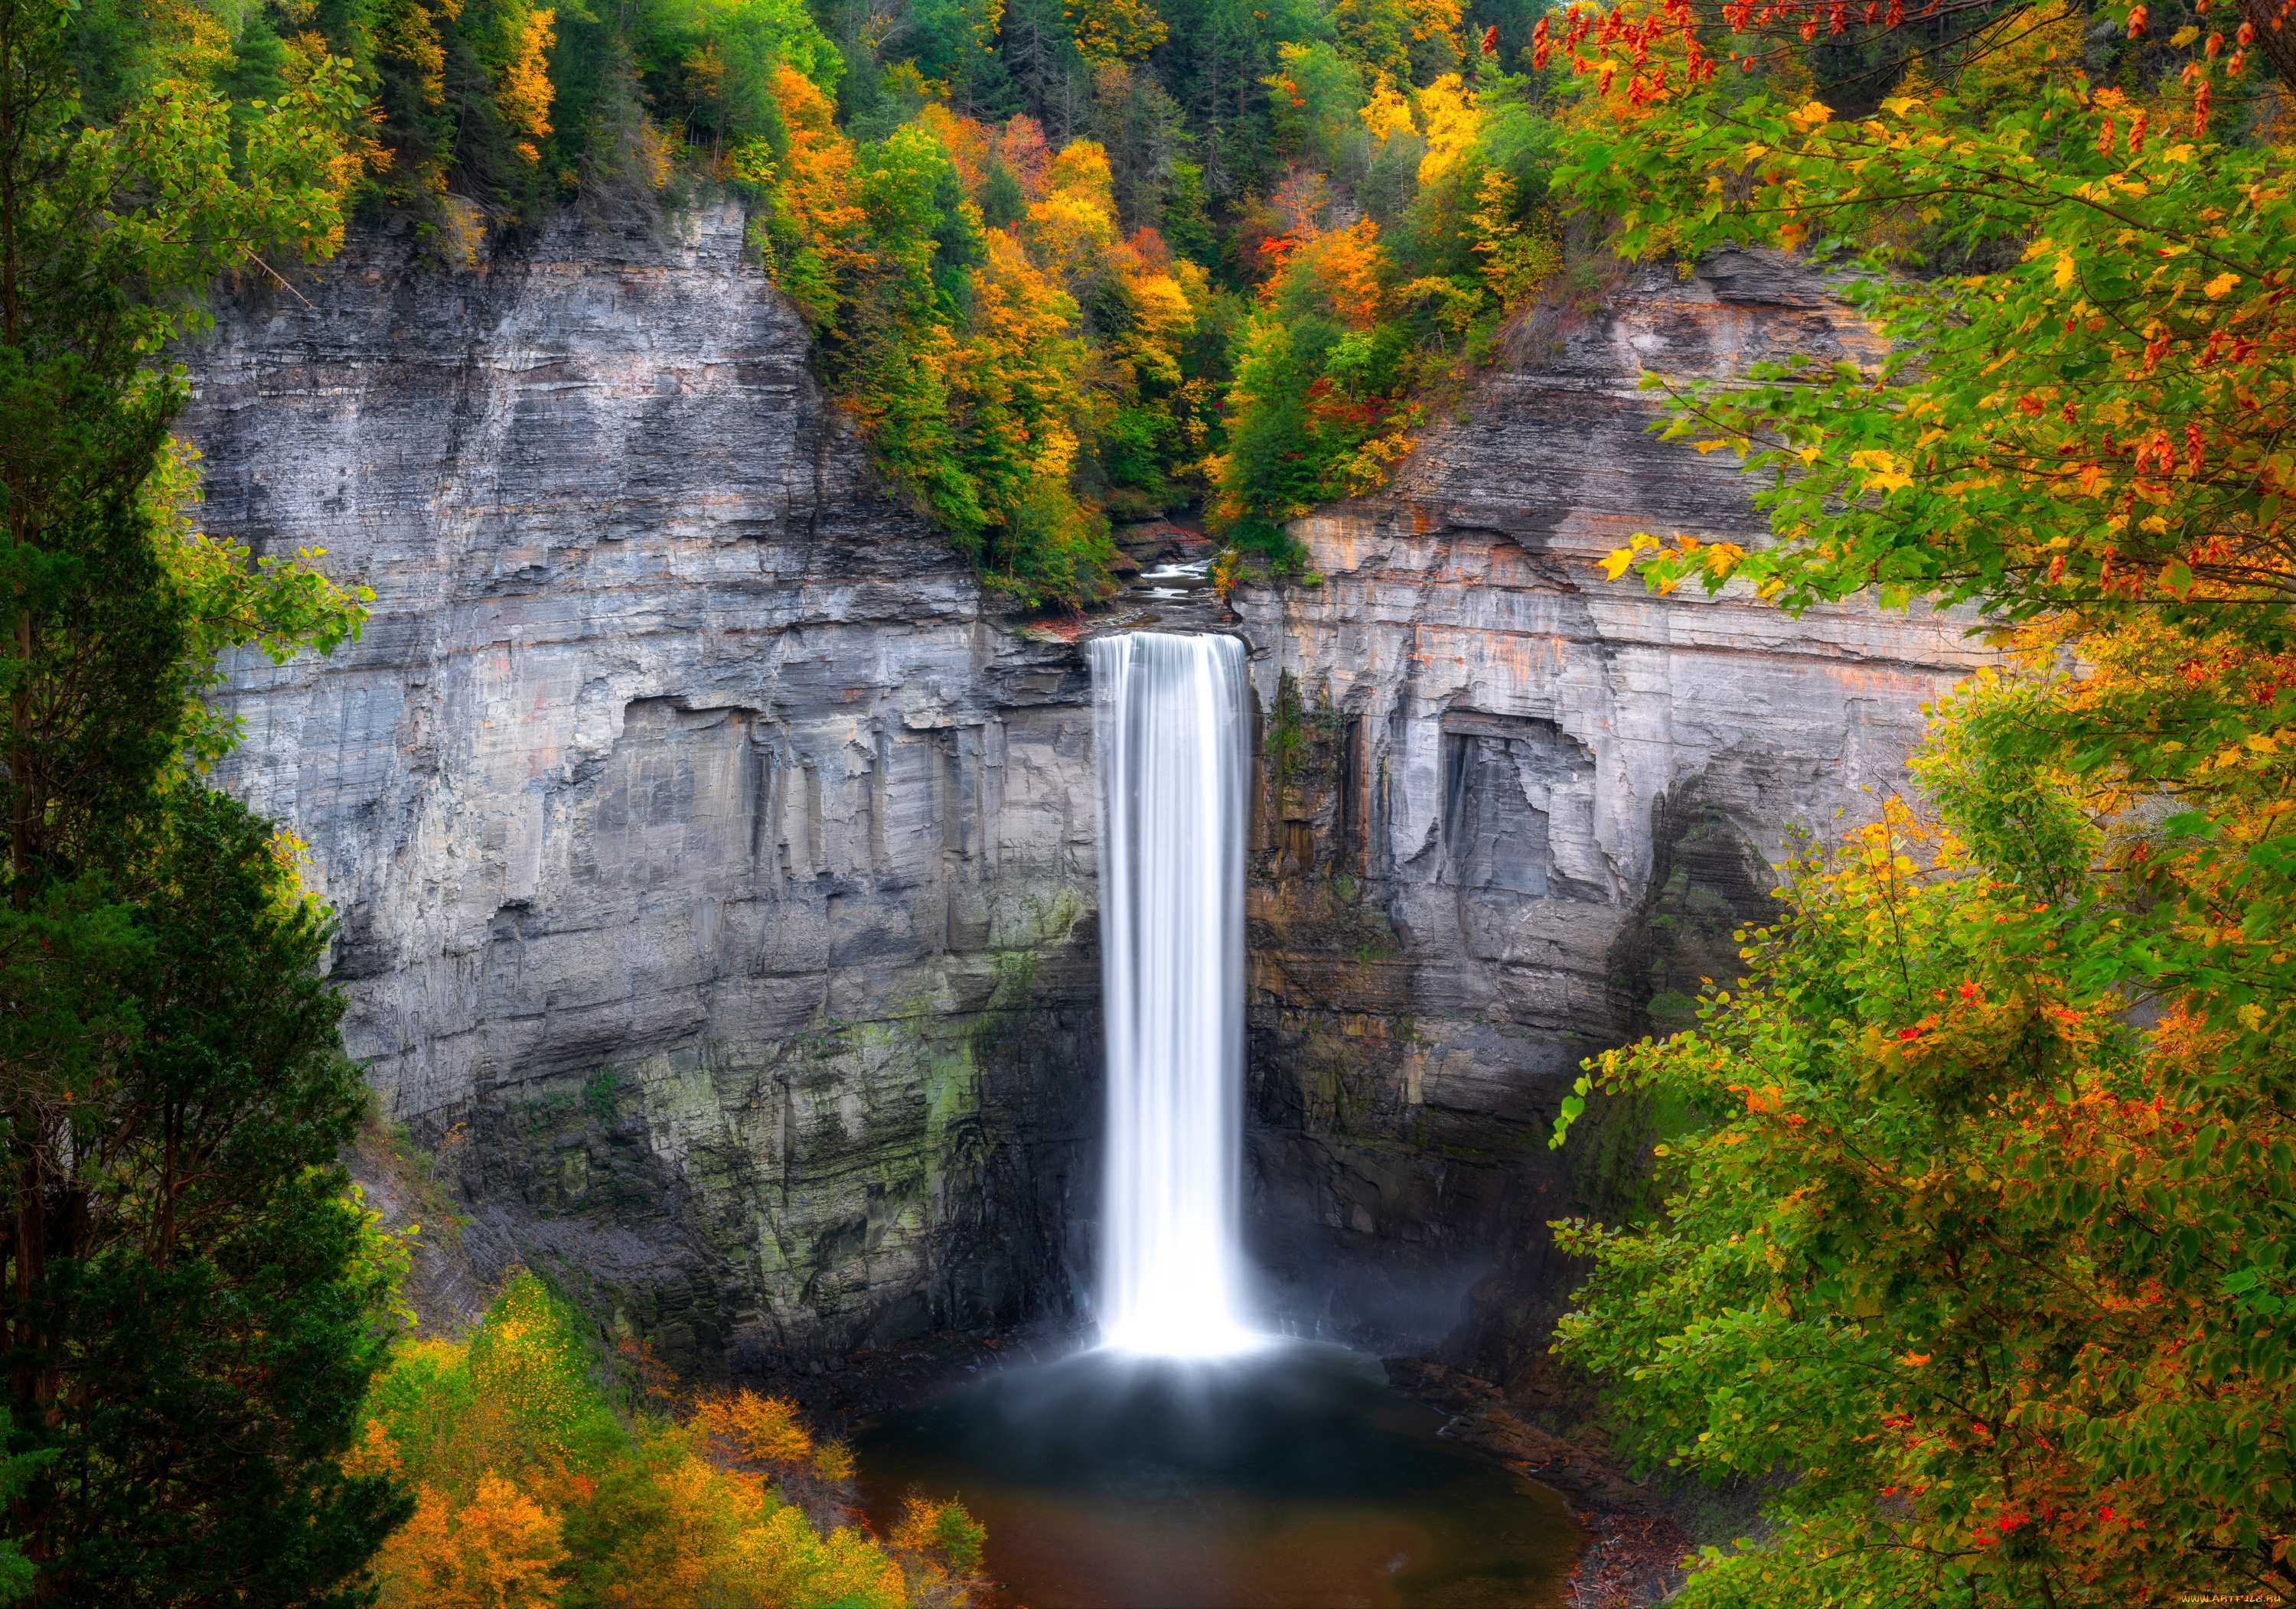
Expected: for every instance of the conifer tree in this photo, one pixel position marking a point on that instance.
(186, 1294)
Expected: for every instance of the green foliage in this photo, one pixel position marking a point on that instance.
(601, 1095)
(1361, 332)
(193, 1300)
(1984, 1241)
(17, 1574)
(1012, 394)
(532, 1490)
(2092, 421)
(1950, 1242)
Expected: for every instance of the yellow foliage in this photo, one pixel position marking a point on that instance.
(833, 1461)
(1388, 112)
(410, 32)
(1449, 119)
(2016, 53)
(1114, 30)
(523, 1362)
(1340, 273)
(524, 95)
(1015, 379)
(194, 43)
(1075, 223)
(1434, 20)
(1081, 170)
(1516, 261)
(764, 1428)
(722, 1538)
(494, 1523)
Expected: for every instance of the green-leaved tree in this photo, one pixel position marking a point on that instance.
(187, 1297)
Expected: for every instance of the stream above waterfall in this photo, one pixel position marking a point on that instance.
(1292, 1475)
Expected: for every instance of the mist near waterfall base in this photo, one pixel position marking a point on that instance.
(1291, 1475)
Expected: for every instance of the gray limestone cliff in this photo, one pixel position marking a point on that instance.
(1510, 812)
(714, 879)
(715, 872)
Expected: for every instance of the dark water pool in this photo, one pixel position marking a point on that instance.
(1291, 1476)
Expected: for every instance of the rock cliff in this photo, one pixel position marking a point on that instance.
(714, 875)
(1510, 812)
(714, 881)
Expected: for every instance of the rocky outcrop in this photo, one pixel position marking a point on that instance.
(1512, 812)
(714, 879)
(715, 876)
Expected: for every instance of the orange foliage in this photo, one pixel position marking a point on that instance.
(969, 145)
(1339, 272)
(1022, 149)
(497, 1551)
(764, 1428)
(817, 195)
(1015, 379)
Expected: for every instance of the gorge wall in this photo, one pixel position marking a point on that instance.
(714, 881)
(715, 872)
(1512, 812)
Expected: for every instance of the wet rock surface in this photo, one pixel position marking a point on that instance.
(1483, 1418)
(1549, 1427)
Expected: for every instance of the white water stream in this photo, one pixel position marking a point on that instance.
(1170, 746)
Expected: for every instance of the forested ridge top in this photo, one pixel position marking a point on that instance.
(1067, 261)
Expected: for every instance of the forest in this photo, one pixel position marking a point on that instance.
(1974, 1224)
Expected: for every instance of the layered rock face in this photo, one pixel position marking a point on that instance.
(1512, 812)
(714, 881)
(715, 878)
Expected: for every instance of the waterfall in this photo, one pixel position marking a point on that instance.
(1169, 744)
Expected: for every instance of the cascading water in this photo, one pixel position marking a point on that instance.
(1170, 740)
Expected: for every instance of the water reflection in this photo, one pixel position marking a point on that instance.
(1292, 1475)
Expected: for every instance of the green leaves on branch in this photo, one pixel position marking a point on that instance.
(2093, 425)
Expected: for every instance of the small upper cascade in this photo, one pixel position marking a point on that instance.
(1170, 740)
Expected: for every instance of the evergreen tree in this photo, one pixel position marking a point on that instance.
(185, 1291)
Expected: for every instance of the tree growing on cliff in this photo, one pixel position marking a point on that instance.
(187, 1294)
(2007, 1276)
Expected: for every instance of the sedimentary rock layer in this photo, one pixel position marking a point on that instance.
(716, 875)
(714, 879)
(1510, 812)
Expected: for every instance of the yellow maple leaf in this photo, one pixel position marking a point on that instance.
(1616, 565)
(1885, 476)
(2066, 269)
(2218, 286)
